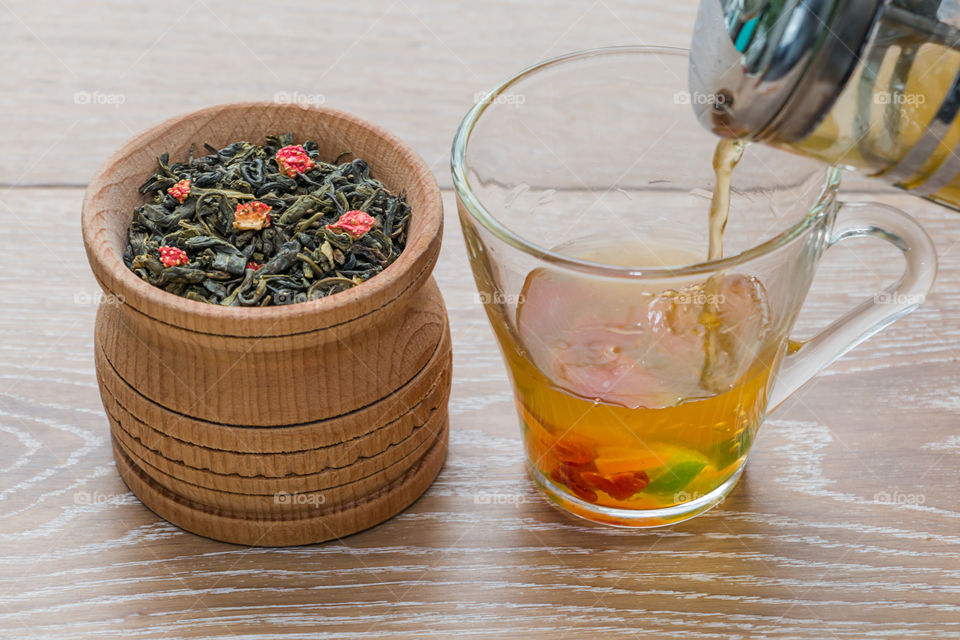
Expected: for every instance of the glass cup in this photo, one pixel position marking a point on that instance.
(641, 370)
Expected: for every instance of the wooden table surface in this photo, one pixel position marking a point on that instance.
(846, 524)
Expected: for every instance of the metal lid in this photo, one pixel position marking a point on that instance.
(763, 69)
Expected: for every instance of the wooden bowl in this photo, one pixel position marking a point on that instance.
(224, 364)
(329, 392)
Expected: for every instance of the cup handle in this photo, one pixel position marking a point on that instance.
(857, 219)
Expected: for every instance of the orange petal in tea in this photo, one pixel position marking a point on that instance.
(573, 449)
(251, 216)
(537, 430)
(613, 460)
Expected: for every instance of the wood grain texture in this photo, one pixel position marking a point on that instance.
(113, 68)
(329, 373)
(316, 480)
(280, 500)
(818, 540)
(277, 464)
(365, 429)
(308, 524)
(846, 524)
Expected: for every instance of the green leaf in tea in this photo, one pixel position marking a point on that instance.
(258, 225)
(676, 477)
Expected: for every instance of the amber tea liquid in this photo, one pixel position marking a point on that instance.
(609, 377)
(636, 394)
(725, 158)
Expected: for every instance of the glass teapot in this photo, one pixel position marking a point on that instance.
(869, 84)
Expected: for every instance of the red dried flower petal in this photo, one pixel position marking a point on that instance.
(293, 160)
(253, 265)
(353, 223)
(597, 481)
(619, 486)
(626, 484)
(180, 191)
(173, 257)
(253, 215)
(573, 480)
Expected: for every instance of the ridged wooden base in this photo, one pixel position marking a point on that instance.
(326, 524)
(304, 494)
(316, 477)
(267, 504)
(279, 451)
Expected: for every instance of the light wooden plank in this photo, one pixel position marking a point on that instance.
(812, 544)
(804, 548)
(82, 79)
